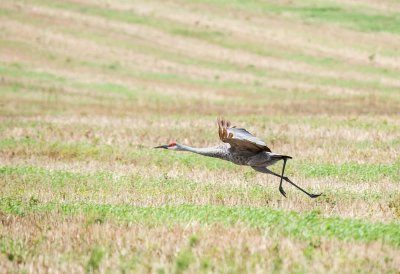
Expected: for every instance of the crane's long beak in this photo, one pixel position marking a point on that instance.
(162, 146)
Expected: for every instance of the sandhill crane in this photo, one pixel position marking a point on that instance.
(242, 148)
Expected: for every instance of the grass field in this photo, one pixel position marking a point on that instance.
(87, 88)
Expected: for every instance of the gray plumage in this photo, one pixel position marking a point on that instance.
(242, 148)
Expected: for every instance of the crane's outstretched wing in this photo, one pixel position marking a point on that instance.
(239, 138)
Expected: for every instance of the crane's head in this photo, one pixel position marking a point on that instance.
(172, 145)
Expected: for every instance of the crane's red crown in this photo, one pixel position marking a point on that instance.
(172, 144)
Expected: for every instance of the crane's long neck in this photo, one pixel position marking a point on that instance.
(217, 151)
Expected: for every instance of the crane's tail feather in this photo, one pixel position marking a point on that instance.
(280, 157)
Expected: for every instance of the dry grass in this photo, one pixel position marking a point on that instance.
(88, 87)
(70, 242)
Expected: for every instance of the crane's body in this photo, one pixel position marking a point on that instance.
(242, 148)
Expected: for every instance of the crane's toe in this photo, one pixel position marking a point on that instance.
(282, 191)
(315, 195)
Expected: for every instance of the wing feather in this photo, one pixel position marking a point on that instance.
(239, 138)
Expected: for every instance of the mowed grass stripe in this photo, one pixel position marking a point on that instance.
(52, 96)
(109, 181)
(303, 226)
(358, 17)
(220, 38)
(20, 178)
(132, 186)
(142, 156)
(272, 127)
(324, 80)
(353, 171)
(241, 89)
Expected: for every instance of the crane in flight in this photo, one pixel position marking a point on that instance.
(242, 148)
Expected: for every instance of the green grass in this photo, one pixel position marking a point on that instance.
(96, 256)
(352, 18)
(359, 18)
(15, 250)
(18, 70)
(29, 183)
(356, 18)
(354, 172)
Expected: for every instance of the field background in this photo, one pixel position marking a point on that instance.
(87, 88)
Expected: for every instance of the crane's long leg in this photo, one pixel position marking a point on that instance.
(280, 184)
(311, 195)
(266, 170)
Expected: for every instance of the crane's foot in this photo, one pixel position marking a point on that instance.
(282, 191)
(314, 195)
